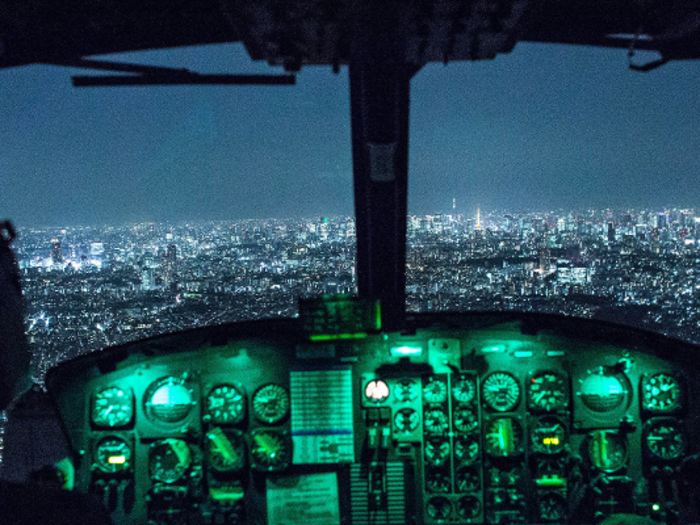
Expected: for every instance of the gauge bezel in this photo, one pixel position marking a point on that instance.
(494, 405)
(235, 437)
(429, 399)
(151, 390)
(286, 441)
(127, 424)
(278, 417)
(623, 441)
(181, 474)
(518, 437)
(435, 409)
(208, 417)
(537, 423)
(680, 382)
(649, 427)
(536, 406)
(458, 397)
(119, 469)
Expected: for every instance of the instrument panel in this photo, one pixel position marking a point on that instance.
(462, 419)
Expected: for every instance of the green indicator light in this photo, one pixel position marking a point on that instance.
(551, 481)
(493, 349)
(378, 319)
(406, 350)
(655, 507)
(334, 337)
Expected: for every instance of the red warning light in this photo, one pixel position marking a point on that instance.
(377, 391)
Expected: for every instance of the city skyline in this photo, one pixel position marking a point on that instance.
(543, 124)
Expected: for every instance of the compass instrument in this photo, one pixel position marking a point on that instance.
(225, 405)
(435, 421)
(500, 392)
(661, 393)
(113, 454)
(607, 450)
(547, 391)
(270, 450)
(169, 459)
(503, 437)
(548, 435)
(271, 403)
(463, 389)
(112, 407)
(664, 439)
(434, 391)
(169, 400)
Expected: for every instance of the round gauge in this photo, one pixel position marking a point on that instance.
(434, 391)
(169, 400)
(503, 437)
(500, 392)
(665, 440)
(437, 451)
(435, 421)
(466, 450)
(406, 420)
(465, 419)
(548, 391)
(112, 455)
(603, 391)
(661, 393)
(112, 407)
(437, 479)
(405, 390)
(467, 479)
(169, 459)
(607, 450)
(376, 391)
(225, 405)
(438, 508)
(463, 389)
(270, 450)
(468, 507)
(225, 450)
(271, 403)
(548, 435)
(552, 507)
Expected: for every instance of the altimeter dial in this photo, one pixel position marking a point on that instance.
(501, 392)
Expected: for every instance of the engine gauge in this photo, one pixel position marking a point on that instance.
(467, 479)
(225, 405)
(661, 393)
(405, 390)
(500, 392)
(468, 507)
(225, 450)
(112, 455)
(434, 391)
(607, 450)
(112, 407)
(547, 391)
(271, 403)
(463, 389)
(437, 451)
(435, 421)
(406, 420)
(466, 450)
(503, 437)
(664, 439)
(169, 400)
(548, 435)
(552, 507)
(465, 420)
(437, 479)
(169, 459)
(438, 508)
(270, 450)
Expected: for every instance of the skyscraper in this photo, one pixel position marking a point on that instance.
(57, 254)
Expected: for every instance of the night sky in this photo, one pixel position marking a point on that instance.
(545, 127)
